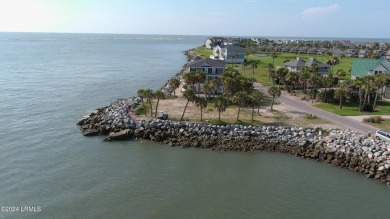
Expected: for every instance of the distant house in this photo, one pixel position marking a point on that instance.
(299, 63)
(351, 53)
(227, 53)
(387, 54)
(363, 53)
(214, 41)
(212, 68)
(364, 67)
(337, 52)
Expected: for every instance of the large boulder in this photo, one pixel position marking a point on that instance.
(90, 132)
(121, 135)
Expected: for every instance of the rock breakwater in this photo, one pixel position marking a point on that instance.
(343, 148)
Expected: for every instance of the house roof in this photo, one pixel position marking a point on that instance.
(337, 52)
(361, 67)
(207, 63)
(299, 62)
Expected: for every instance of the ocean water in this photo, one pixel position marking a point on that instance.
(49, 170)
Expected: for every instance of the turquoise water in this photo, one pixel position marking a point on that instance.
(49, 81)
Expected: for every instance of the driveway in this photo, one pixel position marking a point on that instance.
(306, 107)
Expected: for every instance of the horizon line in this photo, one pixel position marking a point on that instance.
(205, 35)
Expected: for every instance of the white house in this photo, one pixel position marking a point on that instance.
(229, 53)
(214, 41)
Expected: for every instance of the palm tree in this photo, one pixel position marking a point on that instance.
(367, 85)
(141, 94)
(333, 62)
(201, 102)
(199, 78)
(341, 93)
(314, 82)
(327, 82)
(214, 84)
(274, 92)
(304, 76)
(221, 103)
(359, 82)
(160, 96)
(340, 73)
(175, 83)
(149, 95)
(240, 99)
(281, 74)
(273, 75)
(255, 100)
(379, 82)
(206, 89)
(270, 67)
(253, 65)
(274, 55)
(244, 64)
(233, 57)
(291, 79)
(190, 95)
(190, 78)
(313, 68)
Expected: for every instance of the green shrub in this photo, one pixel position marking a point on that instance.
(368, 107)
(141, 109)
(310, 116)
(373, 119)
(376, 119)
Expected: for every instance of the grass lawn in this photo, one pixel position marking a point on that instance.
(385, 125)
(261, 74)
(351, 109)
(205, 53)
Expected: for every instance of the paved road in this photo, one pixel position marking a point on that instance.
(307, 108)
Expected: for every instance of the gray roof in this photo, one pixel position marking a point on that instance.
(314, 61)
(207, 63)
(299, 62)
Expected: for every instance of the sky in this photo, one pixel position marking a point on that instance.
(304, 18)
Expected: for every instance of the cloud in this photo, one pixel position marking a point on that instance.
(316, 11)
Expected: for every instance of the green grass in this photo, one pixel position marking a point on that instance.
(205, 53)
(261, 73)
(345, 63)
(351, 109)
(385, 125)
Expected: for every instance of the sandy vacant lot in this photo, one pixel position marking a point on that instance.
(281, 116)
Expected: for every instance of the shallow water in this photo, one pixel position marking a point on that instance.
(49, 81)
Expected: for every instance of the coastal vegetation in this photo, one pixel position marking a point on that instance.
(335, 89)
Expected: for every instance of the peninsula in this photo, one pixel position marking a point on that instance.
(129, 119)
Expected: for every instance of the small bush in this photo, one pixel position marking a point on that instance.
(367, 119)
(368, 107)
(141, 109)
(303, 98)
(373, 119)
(376, 119)
(310, 116)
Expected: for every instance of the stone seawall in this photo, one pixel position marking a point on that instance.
(343, 148)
